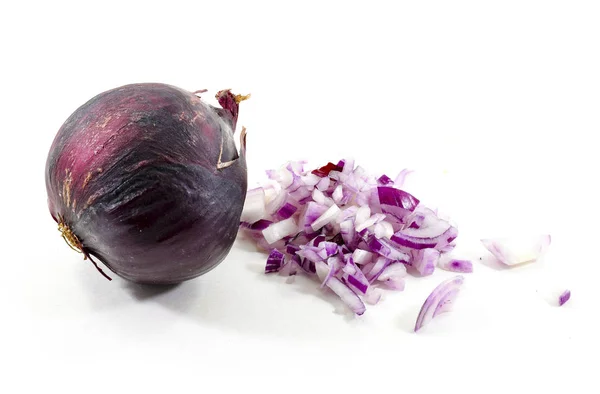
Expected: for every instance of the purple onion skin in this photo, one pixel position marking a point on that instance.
(133, 174)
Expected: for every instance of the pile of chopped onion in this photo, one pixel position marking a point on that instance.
(353, 232)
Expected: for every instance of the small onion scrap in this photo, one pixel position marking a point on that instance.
(351, 231)
(564, 297)
(454, 265)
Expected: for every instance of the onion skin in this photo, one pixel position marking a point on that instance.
(135, 176)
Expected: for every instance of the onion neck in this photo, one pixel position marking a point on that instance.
(231, 104)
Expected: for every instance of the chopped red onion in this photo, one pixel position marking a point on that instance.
(394, 270)
(437, 236)
(357, 278)
(448, 248)
(348, 233)
(357, 284)
(384, 180)
(397, 198)
(373, 296)
(324, 272)
(464, 266)
(362, 214)
(385, 249)
(518, 250)
(564, 297)
(346, 227)
(349, 297)
(362, 257)
(286, 211)
(380, 265)
(348, 166)
(383, 230)
(311, 212)
(347, 214)
(277, 231)
(425, 260)
(254, 206)
(328, 216)
(375, 219)
(337, 194)
(274, 262)
(439, 301)
(256, 226)
(393, 283)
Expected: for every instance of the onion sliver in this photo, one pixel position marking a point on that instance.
(439, 301)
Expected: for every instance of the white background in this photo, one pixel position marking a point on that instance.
(493, 104)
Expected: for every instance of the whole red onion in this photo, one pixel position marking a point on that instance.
(147, 178)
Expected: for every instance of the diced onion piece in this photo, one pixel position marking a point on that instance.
(257, 226)
(376, 218)
(373, 296)
(348, 166)
(362, 287)
(357, 279)
(383, 230)
(286, 211)
(283, 176)
(324, 272)
(311, 213)
(518, 250)
(254, 206)
(362, 214)
(564, 297)
(385, 180)
(347, 213)
(328, 216)
(398, 198)
(385, 249)
(454, 265)
(327, 249)
(348, 233)
(338, 194)
(319, 197)
(447, 248)
(380, 265)
(323, 184)
(310, 179)
(274, 261)
(349, 297)
(277, 231)
(394, 283)
(361, 256)
(309, 253)
(425, 260)
(435, 236)
(439, 301)
(394, 270)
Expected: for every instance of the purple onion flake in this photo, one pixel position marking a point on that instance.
(564, 297)
(274, 261)
(384, 180)
(454, 265)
